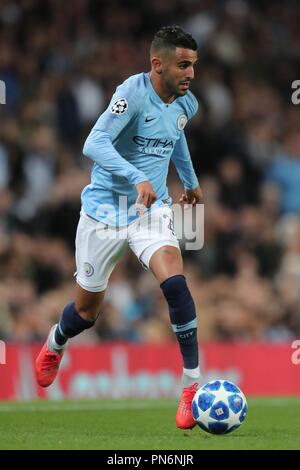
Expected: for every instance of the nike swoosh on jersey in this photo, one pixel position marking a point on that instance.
(149, 119)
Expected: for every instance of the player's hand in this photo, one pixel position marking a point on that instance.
(146, 196)
(192, 196)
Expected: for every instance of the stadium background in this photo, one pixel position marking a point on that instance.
(60, 63)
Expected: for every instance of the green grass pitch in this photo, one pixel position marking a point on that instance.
(271, 423)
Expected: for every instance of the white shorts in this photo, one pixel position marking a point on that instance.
(99, 247)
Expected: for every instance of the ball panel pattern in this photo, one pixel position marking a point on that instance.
(205, 400)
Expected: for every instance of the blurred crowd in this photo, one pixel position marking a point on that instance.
(61, 61)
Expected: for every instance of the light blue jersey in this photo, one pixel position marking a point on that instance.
(133, 141)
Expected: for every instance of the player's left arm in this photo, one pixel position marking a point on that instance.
(181, 158)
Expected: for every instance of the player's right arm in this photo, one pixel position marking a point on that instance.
(99, 147)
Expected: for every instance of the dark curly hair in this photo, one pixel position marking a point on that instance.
(170, 37)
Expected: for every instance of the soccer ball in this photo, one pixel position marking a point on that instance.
(219, 407)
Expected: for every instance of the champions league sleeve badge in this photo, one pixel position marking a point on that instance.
(181, 121)
(119, 107)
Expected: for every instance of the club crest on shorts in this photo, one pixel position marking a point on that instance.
(88, 269)
(119, 107)
(181, 121)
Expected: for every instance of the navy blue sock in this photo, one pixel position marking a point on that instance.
(70, 324)
(183, 318)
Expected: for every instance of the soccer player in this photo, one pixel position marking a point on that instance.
(131, 146)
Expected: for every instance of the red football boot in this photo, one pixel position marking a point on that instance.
(47, 364)
(184, 415)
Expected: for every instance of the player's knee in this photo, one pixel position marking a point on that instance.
(169, 253)
(88, 304)
(88, 312)
(90, 315)
(166, 262)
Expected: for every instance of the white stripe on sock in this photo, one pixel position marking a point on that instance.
(52, 344)
(192, 373)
